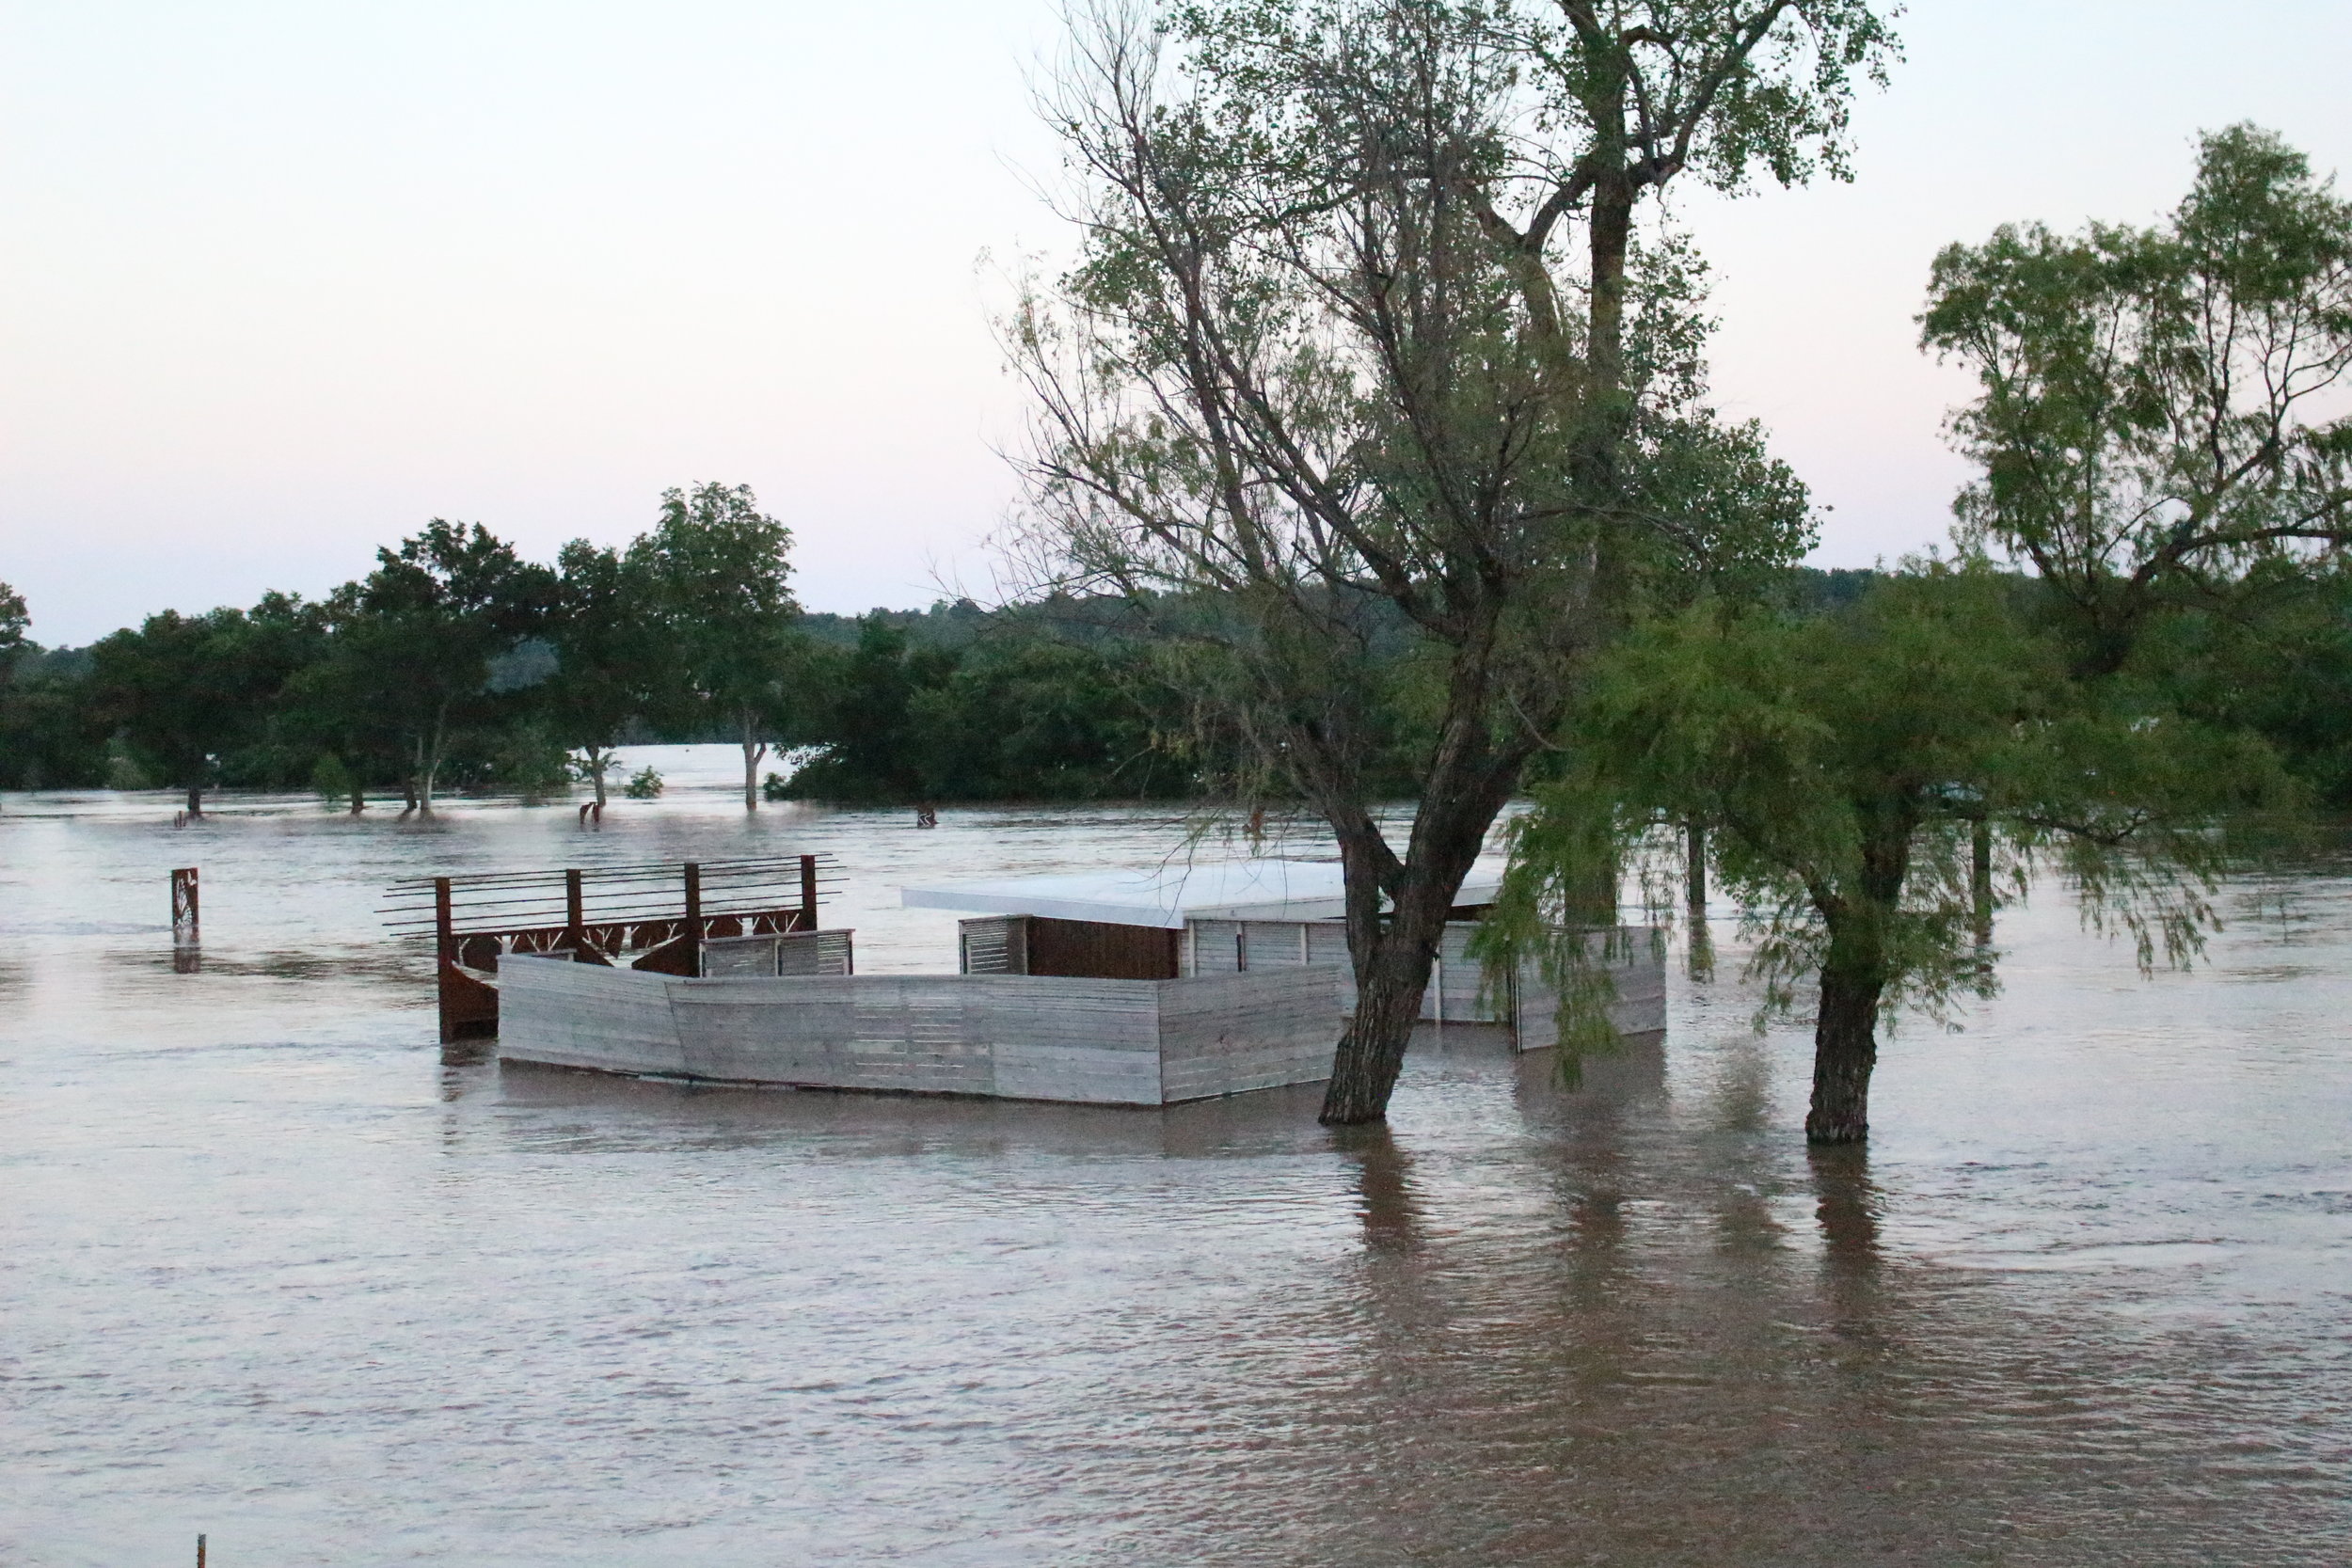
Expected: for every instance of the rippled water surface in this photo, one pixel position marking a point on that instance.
(274, 1268)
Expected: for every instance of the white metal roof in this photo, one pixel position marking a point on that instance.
(1167, 896)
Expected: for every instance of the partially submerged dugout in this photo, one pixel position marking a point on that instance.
(1137, 988)
(657, 916)
(1181, 921)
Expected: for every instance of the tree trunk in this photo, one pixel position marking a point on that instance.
(598, 760)
(196, 799)
(1981, 880)
(429, 762)
(358, 796)
(1845, 1049)
(752, 751)
(1860, 918)
(1702, 961)
(1371, 1052)
(1392, 956)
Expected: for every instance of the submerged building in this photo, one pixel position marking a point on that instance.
(1147, 987)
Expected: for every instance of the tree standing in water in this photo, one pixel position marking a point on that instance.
(2154, 436)
(1362, 349)
(719, 571)
(613, 661)
(1841, 765)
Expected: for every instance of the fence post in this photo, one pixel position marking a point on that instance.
(444, 954)
(694, 916)
(575, 910)
(808, 892)
(184, 911)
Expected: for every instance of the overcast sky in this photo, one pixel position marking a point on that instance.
(279, 282)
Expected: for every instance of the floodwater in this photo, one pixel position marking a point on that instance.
(275, 1268)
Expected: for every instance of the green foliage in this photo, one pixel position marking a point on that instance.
(2160, 414)
(14, 618)
(331, 780)
(644, 784)
(1841, 761)
(187, 694)
(1019, 712)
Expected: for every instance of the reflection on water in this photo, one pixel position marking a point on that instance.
(281, 1269)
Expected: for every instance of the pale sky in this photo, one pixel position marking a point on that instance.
(279, 282)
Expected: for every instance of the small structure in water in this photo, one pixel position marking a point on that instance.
(654, 917)
(1129, 988)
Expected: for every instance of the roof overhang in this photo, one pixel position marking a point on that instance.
(1169, 896)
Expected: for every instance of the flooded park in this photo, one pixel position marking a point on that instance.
(283, 1269)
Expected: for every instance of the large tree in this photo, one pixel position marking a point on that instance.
(614, 661)
(416, 642)
(721, 571)
(2160, 421)
(1363, 344)
(183, 690)
(1844, 766)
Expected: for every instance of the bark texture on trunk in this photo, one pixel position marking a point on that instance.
(358, 797)
(1845, 1050)
(1394, 954)
(196, 799)
(1981, 880)
(752, 751)
(1861, 919)
(1702, 964)
(1371, 1052)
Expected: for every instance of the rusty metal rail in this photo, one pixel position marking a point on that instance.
(651, 915)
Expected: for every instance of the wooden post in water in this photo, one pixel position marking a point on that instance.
(200, 1552)
(444, 953)
(575, 910)
(694, 916)
(808, 892)
(184, 913)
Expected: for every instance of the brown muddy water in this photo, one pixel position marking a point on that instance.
(274, 1268)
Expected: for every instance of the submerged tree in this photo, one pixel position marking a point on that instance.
(415, 644)
(1362, 348)
(719, 570)
(1843, 764)
(613, 659)
(2161, 421)
(183, 690)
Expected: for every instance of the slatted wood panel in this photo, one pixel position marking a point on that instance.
(826, 951)
(1458, 993)
(1136, 1043)
(993, 944)
(1634, 958)
(1228, 1034)
(585, 1015)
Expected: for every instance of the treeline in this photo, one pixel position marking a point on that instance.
(456, 665)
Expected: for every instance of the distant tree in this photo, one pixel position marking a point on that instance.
(2161, 421)
(284, 635)
(1842, 764)
(614, 660)
(720, 569)
(183, 690)
(417, 639)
